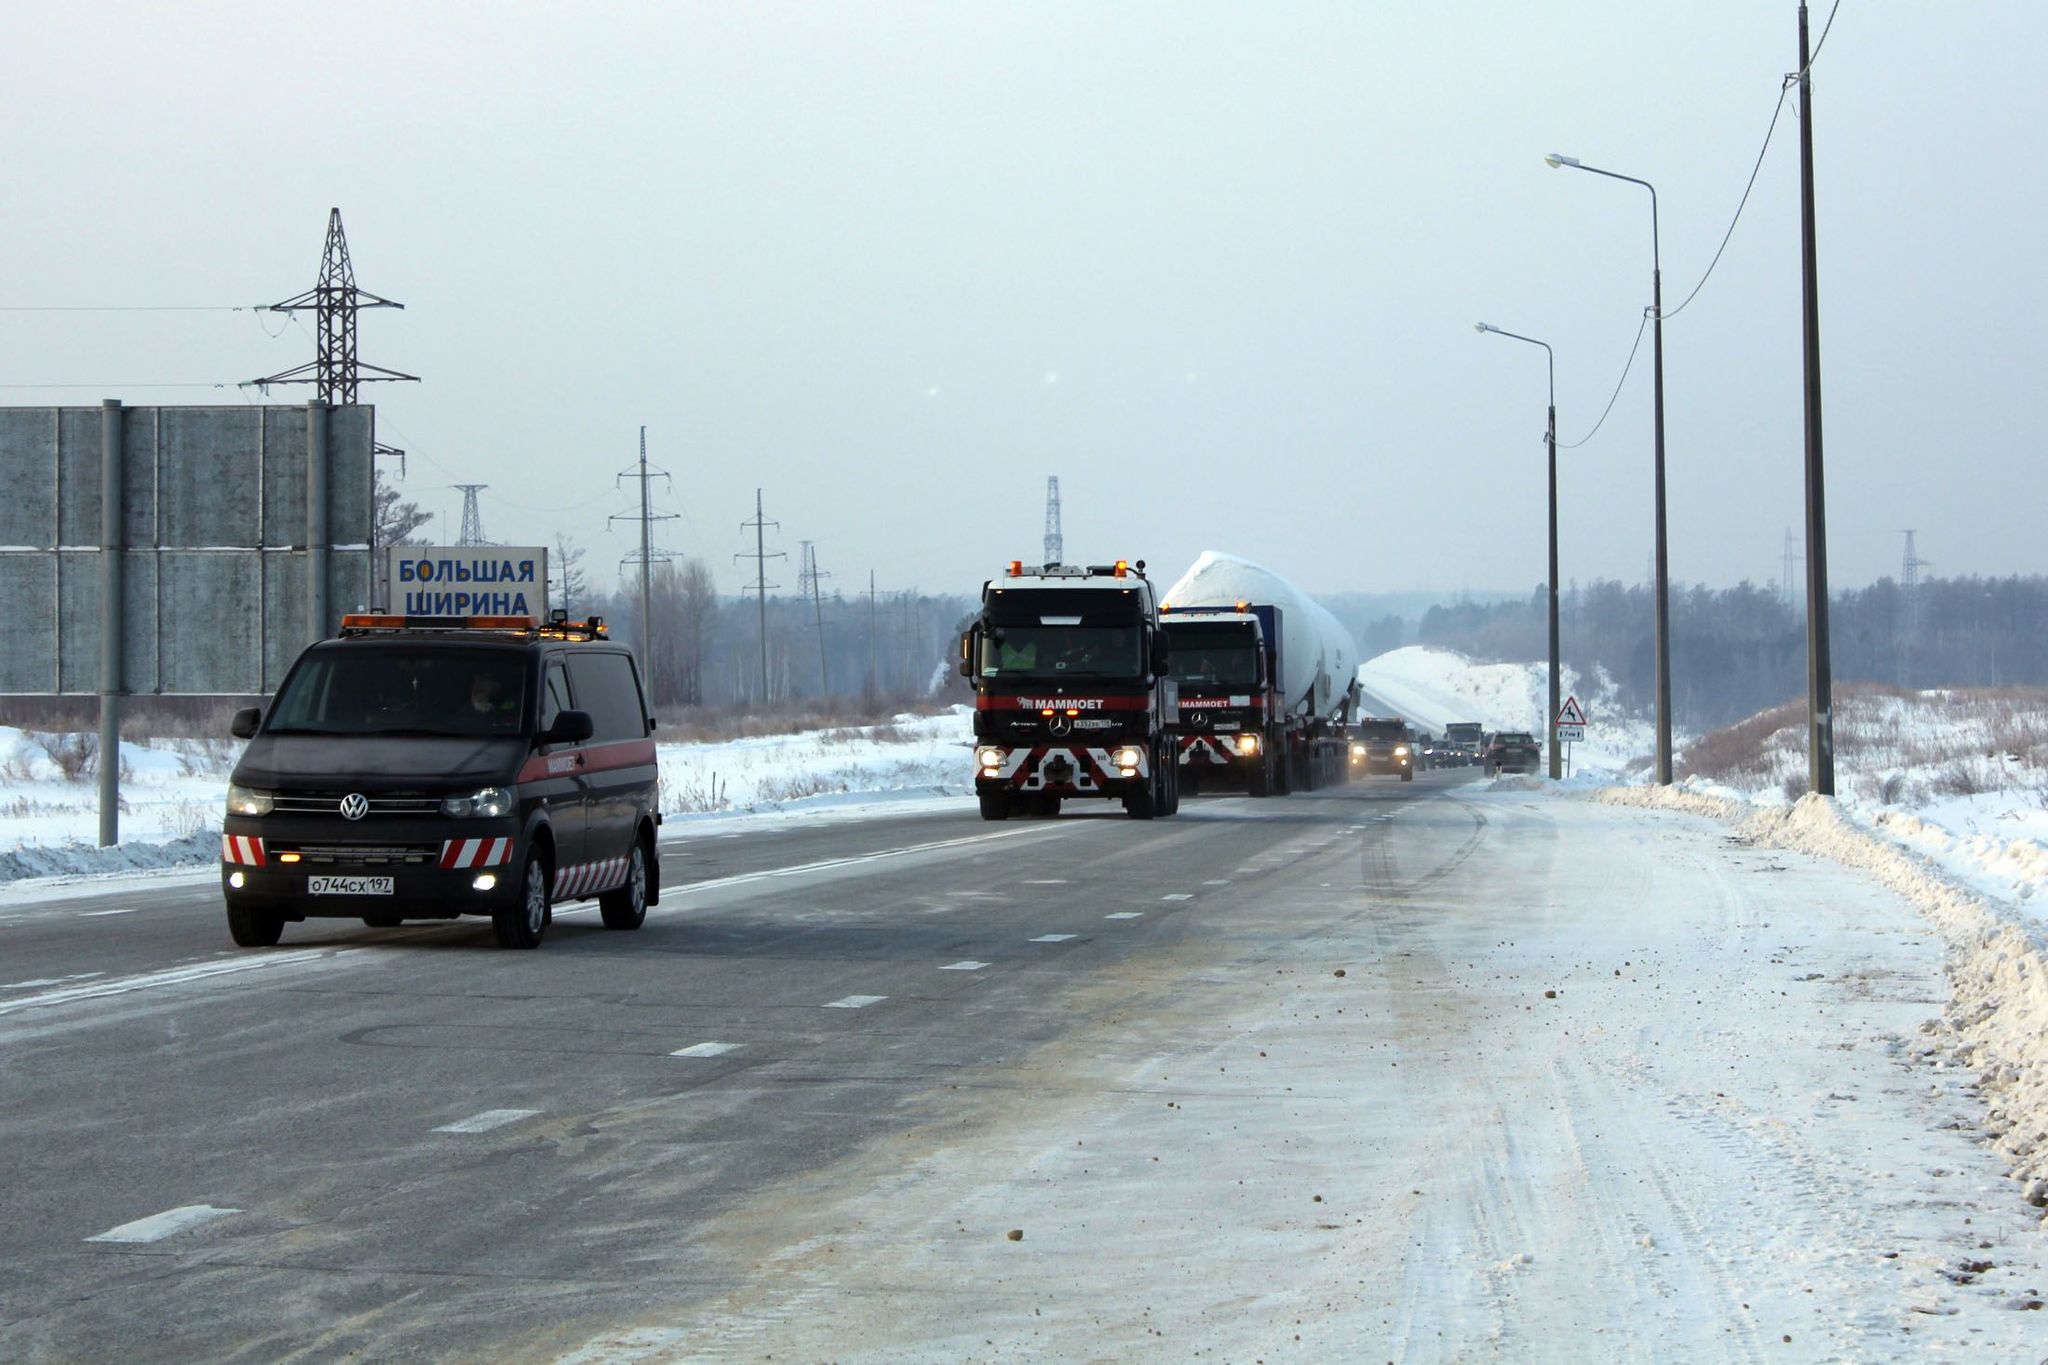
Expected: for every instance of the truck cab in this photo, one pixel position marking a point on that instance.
(1222, 660)
(1073, 698)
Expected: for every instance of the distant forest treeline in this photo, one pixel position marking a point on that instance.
(1736, 651)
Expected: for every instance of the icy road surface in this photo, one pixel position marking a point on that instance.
(1428, 1071)
(1499, 1077)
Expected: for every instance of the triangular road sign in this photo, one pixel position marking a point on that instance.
(1571, 713)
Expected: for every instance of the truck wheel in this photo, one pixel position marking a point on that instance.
(521, 924)
(1407, 774)
(252, 928)
(1172, 776)
(1259, 781)
(1046, 807)
(1143, 803)
(994, 805)
(626, 908)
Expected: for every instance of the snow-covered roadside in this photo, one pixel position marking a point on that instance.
(171, 790)
(1996, 1021)
(1433, 687)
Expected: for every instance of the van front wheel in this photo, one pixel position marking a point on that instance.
(521, 924)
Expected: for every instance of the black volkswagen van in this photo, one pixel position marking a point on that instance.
(433, 767)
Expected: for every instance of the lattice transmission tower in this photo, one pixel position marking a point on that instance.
(1055, 543)
(472, 519)
(809, 579)
(648, 554)
(336, 371)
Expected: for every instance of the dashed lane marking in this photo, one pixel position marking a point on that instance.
(158, 1226)
(705, 1050)
(1179, 896)
(854, 1002)
(1126, 914)
(1046, 881)
(489, 1119)
(1219, 881)
(102, 914)
(1054, 938)
(970, 965)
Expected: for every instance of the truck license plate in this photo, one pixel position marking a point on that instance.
(348, 886)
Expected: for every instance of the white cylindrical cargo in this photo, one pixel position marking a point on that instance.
(1318, 658)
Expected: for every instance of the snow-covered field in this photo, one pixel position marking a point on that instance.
(172, 789)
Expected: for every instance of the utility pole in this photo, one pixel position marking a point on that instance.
(1820, 744)
(1055, 543)
(646, 556)
(807, 581)
(761, 556)
(1909, 599)
(472, 520)
(871, 636)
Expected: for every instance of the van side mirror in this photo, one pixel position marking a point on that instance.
(570, 727)
(245, 722)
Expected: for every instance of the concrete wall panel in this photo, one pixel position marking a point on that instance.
(28, 477)
(214, 463)
(28, 585)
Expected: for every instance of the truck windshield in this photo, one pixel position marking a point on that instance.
(1219, 655)
(1382, 729)
(380, 690)
(1062, 651)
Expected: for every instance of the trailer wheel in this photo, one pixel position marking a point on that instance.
(994, 805)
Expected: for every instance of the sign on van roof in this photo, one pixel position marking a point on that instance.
(470, 580)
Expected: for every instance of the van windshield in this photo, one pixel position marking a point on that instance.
(404, 690)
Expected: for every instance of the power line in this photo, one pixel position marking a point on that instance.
(1641, 327)
(133, 308)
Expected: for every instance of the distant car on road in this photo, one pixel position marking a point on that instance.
(1381, 744)
(1512, 751)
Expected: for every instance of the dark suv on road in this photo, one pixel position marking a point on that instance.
(429, 768)
(1513, 751)
(1383, 745)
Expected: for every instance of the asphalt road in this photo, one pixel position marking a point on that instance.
(411, 1144)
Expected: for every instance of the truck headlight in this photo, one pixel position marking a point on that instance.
(1247, 744)
(247, 801)
(988, 757)
(1129, 757)
(490, 802)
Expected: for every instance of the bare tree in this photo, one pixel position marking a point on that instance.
(570, 580)
(393, 519)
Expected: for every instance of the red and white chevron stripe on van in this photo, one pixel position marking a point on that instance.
(589, 879)
(245, 849)
(475, 852)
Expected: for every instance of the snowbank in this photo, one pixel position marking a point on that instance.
(1432, 688)
(1996, 1021)
(172, 790)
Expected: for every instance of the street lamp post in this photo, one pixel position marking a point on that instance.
(1663, 568)
(1550, 444)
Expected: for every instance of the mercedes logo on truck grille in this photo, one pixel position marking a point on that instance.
(354, 806)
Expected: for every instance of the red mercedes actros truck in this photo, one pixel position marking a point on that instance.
(1072, 695)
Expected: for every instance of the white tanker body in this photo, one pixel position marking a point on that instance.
(1307, 686)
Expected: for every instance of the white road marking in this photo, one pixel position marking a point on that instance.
(1054, 938)
(742, 878)
(968, 966)
(1046, 881)
(158, 1226)
(1179, 896)
(48, 981)
(122, 985)
(489, 1119)
(855, 1002)
(102, 914)
(705, 1050)
(1126, 914)
(1218, 882)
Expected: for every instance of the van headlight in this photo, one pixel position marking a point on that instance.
(248, 801)
(490, 802)
(1358, 751)
(1400, 751)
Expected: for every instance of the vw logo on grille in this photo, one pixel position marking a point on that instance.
(354, 806)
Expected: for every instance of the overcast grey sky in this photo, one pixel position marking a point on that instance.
(1215, 265)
